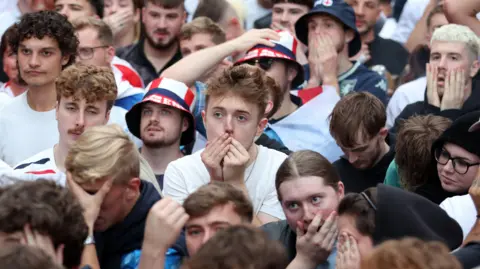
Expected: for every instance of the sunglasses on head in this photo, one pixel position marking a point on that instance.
(264, 63)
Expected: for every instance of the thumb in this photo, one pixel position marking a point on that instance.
(299, 229)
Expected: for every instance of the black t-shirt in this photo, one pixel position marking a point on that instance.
(160, 181)
(388, 53)
(469, 255)
(356, 180)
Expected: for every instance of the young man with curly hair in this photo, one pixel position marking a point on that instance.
(85, 96)
(45, 43)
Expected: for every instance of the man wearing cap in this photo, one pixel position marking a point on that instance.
(294, 119)
(327, 29)
(164, 122)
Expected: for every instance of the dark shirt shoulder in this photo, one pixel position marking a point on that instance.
(388, 53)
(469, 255)
(360, 78)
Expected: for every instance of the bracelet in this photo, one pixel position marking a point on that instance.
(89, 240)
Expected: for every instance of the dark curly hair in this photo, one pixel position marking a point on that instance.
(50, 210)
(46, 23)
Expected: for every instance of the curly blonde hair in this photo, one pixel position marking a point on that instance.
(92, 83)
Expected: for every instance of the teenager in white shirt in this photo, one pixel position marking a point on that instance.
(45, 43)
(234, 115)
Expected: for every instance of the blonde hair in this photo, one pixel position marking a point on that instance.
(458, 33)
(103, 151)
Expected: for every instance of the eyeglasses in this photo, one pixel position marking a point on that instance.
(86, 53)
(461, 166)
(264, 63)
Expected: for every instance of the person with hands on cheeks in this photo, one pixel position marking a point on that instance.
(348, 255)
(309, 190)
(234, 116)
(332, 37)
(453, 83)
(123, 17)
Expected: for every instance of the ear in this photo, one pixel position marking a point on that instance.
(261, 126)
(107, 116)
(269, 107)
(110, 54)
(474, 68)
(204, 119)
(133, 188)
(383, 132)
(349, 35)
(291, 73)
(185, 124)
(65, 59)
(341, 190)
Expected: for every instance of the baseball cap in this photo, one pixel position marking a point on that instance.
(335, 8)
(165, 91)
(285, 48)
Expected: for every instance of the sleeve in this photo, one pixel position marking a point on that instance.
(131, 260)
(271, 205)
(391, 177)
(174, 185)
(395, 106)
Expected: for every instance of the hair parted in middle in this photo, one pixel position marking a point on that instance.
(103, 152)
(357, 113)
(203, 200)
(306, 163)
(94, 83)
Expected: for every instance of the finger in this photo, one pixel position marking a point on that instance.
(314, 225)
(354, 246)
(238, 148)
(28, 234)
(222, 151)
(211, 145)
(300, 229)
(168, 207)
(177, 214)
(59, 253)
(331, 236)
(104, 189)
(330, 222)
(181, 222)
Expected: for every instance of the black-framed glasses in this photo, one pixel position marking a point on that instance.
(442, 156)
(86, 53)
(264, 63)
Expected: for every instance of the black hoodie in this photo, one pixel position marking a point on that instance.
(127, 237)
(401, 213)
(424, 108)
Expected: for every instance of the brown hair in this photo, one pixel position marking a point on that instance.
(203, 200)
(410, 253)
(168, 4)
(102, 152)
(307, 3)
(4, 42)
(50, 210)
(20, 256)
(94, 83)
(203, 25)
(436, 10)
(357, 112)
(247, 82)
(104, 32)
(357, 206)
(306, 163)
(413, 148)
(204, 9)
(239, 247)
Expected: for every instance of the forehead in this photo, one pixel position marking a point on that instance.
(35, 43)
(149, 6)
(81, 100)
(438, 19)
(457, 151)
(83, 3)
(220, 213)
(303, 187)
(87, 34)
(231, 102)
(151, 105)
(290, 6)
(323, 18)
(447, 47)
(199, 38)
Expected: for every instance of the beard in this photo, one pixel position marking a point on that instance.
(159, 45)
(159, 143)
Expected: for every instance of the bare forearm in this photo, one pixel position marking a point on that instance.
(89, 257)
(463, 12)
(418, 34)
(298, 263)
(151, 258)
(191, 68)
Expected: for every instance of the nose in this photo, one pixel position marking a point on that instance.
(113, 9)
(309, 214)
(359, 10)
(162, 22)
(33, 61)
(228, 125)
(80, 119)
(449, 167)
(65, 12)
(352, 157)
(443, 63)
(284, 17)
(208, 234)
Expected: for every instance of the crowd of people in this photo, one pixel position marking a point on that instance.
(234, 134)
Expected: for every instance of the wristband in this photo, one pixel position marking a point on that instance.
(89, 240)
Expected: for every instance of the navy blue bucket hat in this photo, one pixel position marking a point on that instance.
(337, 9)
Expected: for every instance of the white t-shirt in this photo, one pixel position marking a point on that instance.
(411, 14)
(41, 165)
(187, 174)
(25, 132)
(4, 99)
(462, 209)
(8, 16)
(408, 93)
